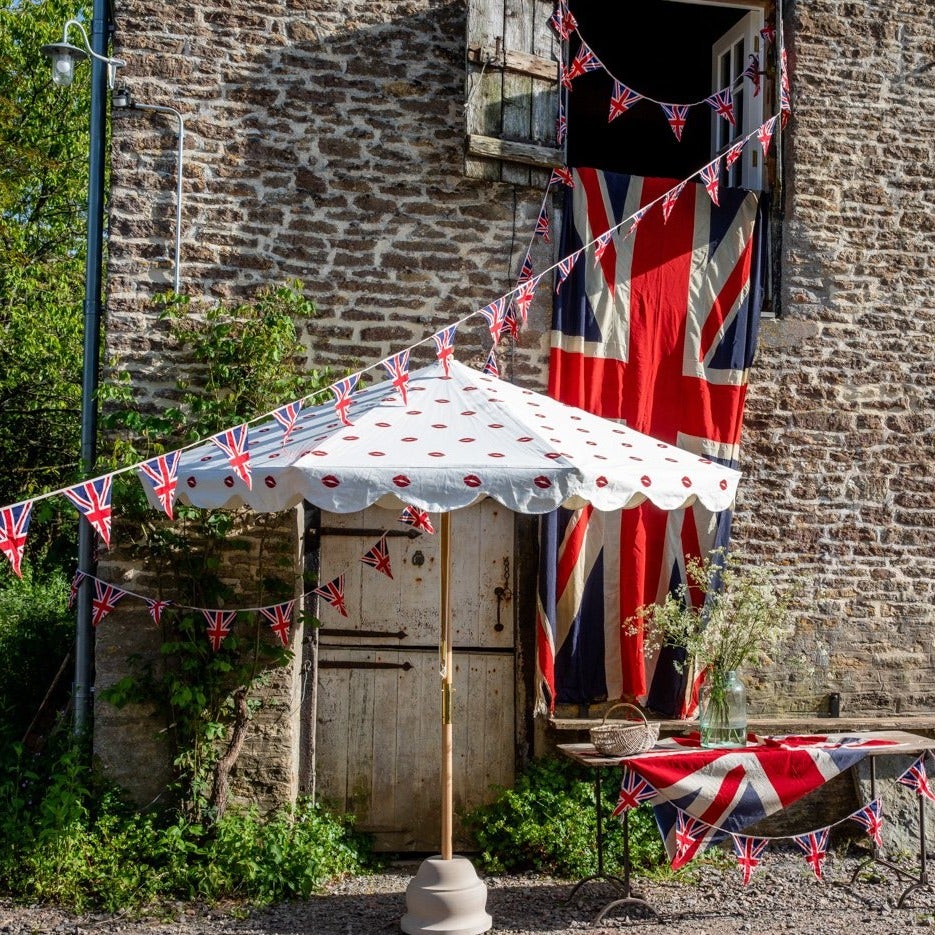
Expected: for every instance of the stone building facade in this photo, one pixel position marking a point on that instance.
(325, 142)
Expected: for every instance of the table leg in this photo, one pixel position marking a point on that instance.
(923, 878)
(628, 899)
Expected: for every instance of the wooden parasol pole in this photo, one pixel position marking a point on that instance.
(447, 643)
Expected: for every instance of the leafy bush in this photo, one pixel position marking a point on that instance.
(547, 821)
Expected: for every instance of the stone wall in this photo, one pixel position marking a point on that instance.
(325, 142)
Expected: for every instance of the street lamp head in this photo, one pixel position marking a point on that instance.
(63, 56)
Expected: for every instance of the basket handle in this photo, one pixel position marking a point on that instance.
(624, 704)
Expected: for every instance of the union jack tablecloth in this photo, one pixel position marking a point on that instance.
(703, 795)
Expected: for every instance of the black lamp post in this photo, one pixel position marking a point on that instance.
(103, 70)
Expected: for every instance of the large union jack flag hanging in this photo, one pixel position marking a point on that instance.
(162, 476)
(235, 443)
(658, 334)
(104, 600)
(14, 525)
(93, 500)
(378, 557)
(280, 620)
(219, 625)
(397, 368)
(333, 593)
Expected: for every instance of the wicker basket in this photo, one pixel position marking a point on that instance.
(624, 738)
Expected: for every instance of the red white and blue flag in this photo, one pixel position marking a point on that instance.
(156, 608)
(710, 177)
(583, 62)
(542, 225)
(749, 853)
(752, 71)
(523, 297)
(814, 846)
(162, 476)
(492, 365)
(104, 600)
(563, 21)
(378, 557)
(722, 103)
(397, 368)
(493, 315)
(235, 443)
(445, 346)
(219, 625)
(93, 500)
(669, 200)
(677, 115)
(659, 335)
(916, 779)
(75, 585)
(689, 832)
(622, 99)
(14, 525)
(280, 619)
(564, 175)
(333, 593)
(870, 818)
(287, 416)
(734, 153)
(561, 125)
(765, 134)
(634, 791)
(419, 519)
(343, 390)
(563, 269)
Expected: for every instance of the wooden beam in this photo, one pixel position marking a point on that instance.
(489, 147)
(508, 60)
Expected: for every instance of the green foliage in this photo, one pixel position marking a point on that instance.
(547, 822)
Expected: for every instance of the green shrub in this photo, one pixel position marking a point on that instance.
(547, 822)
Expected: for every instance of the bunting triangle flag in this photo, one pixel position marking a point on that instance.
(280, 619)
(636, 220)
(397, 368)
(765, 134)
(669, 200)
(561, 125)
(492, 365)
(526, 270)
(634, 791)
(104, 600)
(523, 298)
(219, 625)
(689, 833)
(749, 853)
(583, 62)
(815, 847)
(601, 244)
(562, 174)
(493, 315)
(510, 322)
(563, 21)
(768, 32)
(734, 153)
(378, 557)
(752, 71)
(445, 346)
(93, 500)
(622, 99)
(75, 585)
(161, 474)
(722, 103)
(156, 608)
(419, 519)
(677, 115)
(710, 176)
(563, 269)
(542, 225)
(343, 390)
(14, 525)
(333, 593)
(916, 779)
(870, 818)
(235, 443)
(287, 416)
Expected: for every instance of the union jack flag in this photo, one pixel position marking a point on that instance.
(333, 593)
(601, 244)
(510, 322)
(689, 833)
(219, 625)
(814, 846)
(420, 519)
(235, 443)
(104, 600)
(492, 365)
(73, 591)
(162, 476)
(542, 225)
(917, 780)
(749, 853)
(583, 62)
(561, 125)
(768, 33)
(722, 103)
(493, 315)
(734, 153)
(280, 619)
(93, 500)
(563, 21)
(752, 71)
(562, 174)
(523, 298)
(525, 271)
(636, 220)
(156, 608)
(397, 367)
(870, 818)
(602, 346)
(710, 175)
(634, 791)
(785, 96)
(14, 524)
(677, 115)
(622, 99)
(765, 134)
(343, 390)
(287, 416)
(564, 268)
(445, 346)
(378, 556)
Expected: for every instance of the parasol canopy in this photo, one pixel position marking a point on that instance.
(454, 440)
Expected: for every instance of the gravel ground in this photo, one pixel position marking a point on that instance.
(783, 896)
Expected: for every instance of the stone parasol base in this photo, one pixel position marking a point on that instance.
(446, 897)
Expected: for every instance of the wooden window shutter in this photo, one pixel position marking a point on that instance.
(511, 91)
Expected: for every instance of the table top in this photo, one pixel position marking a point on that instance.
(899, 742)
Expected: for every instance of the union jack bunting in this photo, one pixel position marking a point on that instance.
(104, 600)
(280, 620)
(562, 174)
(749, 853)
(636, 221)
(523, 298)
(722, 103)
(870, 818)
(785, 99)
(491, 365)
(710, 176)
(765, 134)
(677, 115)
(689, 833)
(156, 608)
(561, 125)
(378, 557)
(917, 780)
(525, 271)
(445, 346)
(634, 791)
(333, 593)
(493, 315)
(235, 443)
(162, 476)
(814, 846)
(219, 625)
(342, 391)
(542, 225)
(14, 524)
(601, 244)
(287, 416)
(734, 153)
(397, 367)
(93, 500)
(768, 33)
(584, 62)
(669, 200)
(563, 21)
(420, 519)
(73, 591)
(564, 268)
(752, 71)
(510, 322)
(622, 99)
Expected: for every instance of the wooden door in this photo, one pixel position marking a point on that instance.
(379, 690)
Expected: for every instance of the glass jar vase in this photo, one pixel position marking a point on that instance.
(723, 709)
